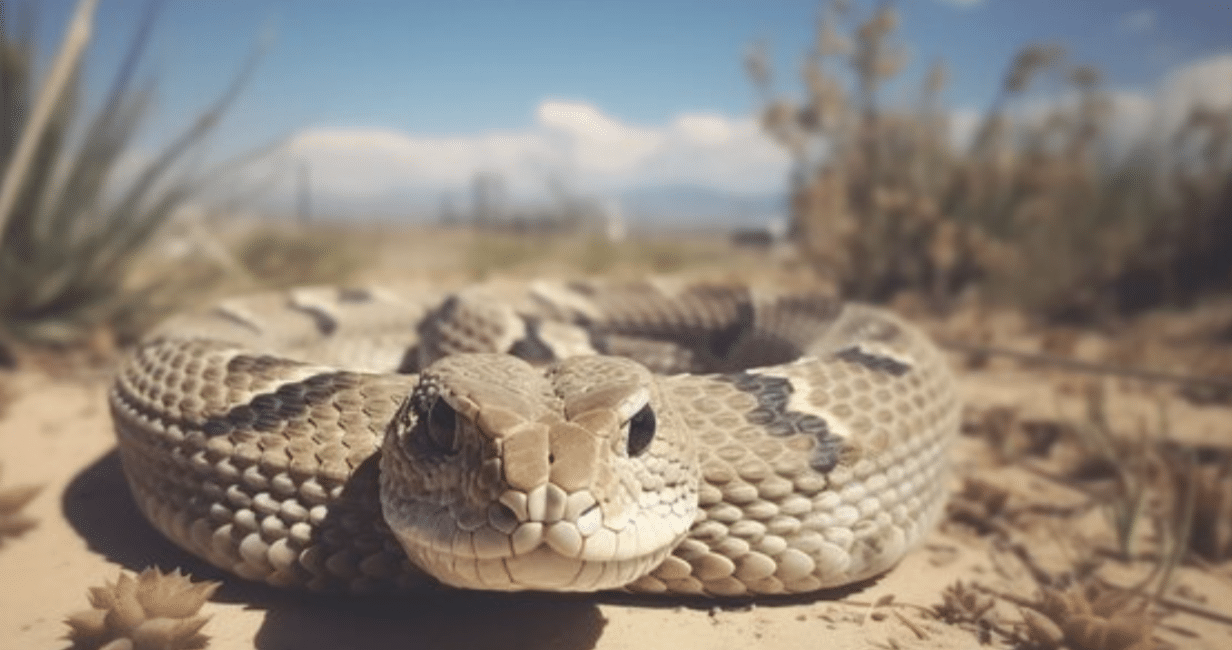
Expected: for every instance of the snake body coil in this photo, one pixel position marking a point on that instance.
(691, 439)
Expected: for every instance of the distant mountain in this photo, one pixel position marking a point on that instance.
(669, 205)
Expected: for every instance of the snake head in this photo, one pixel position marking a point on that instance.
(499, 475)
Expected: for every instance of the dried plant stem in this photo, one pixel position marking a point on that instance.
(76, 38)
(1195, 610)
(1091, 367)
(1038, 211)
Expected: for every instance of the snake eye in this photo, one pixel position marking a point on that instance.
(442, 429)
(641, 431)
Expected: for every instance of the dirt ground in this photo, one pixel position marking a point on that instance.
(1028, 553)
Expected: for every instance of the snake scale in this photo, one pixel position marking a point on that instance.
(658, 436)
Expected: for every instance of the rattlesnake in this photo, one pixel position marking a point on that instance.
(725, 440)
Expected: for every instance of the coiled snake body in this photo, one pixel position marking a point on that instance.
(680, 438)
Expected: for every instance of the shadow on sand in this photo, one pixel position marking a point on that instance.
(100, 508)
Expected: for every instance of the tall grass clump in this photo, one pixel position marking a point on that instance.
(1039, 209)
(70, 230)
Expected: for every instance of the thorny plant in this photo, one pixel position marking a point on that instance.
(150, 611)
(1127, 464)
(1179, 489)
(1038, 210)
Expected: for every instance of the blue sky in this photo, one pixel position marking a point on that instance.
(448, 71)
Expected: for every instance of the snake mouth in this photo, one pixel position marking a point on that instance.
(541, 540)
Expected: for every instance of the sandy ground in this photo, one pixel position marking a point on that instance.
(56, 432)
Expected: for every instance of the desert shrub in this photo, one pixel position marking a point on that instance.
(1035, 211)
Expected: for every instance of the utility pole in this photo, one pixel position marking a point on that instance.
(304, 193)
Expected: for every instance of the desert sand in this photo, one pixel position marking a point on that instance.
(1014, 526)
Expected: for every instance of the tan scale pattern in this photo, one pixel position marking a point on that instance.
(251, 462)
(773, 477)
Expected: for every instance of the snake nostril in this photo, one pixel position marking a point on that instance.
(503, 518)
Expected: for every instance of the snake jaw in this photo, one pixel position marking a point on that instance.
(541, 540)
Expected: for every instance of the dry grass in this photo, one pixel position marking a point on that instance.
(489, 254)
(1101, 499)
(1122, 509)
(1035, 212)
(1209, 481)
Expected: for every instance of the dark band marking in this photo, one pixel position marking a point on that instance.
(714, 328)
(353, 529)
(722, 341)
(232, 317)
(409, 364)
(772, 414)
(324, 321)
(354, 295)
(873, 361)
(269, 412)
(585, 289)
(531, 347)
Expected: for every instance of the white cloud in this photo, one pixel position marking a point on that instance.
(364, 162)
(1151, 116)
(704, 129)
(595, 154)
(574, 142)
(1137, 22)
(595, 141)
(1207, 82)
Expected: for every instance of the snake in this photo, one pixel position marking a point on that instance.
(681, 437)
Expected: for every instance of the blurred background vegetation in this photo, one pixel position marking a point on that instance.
(1038, 211)
(70, 236)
